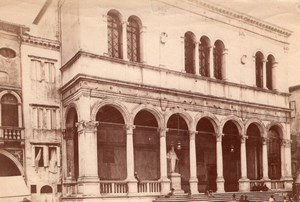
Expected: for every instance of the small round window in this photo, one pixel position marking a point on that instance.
(7, 53)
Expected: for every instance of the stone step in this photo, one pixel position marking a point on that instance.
(218, 197)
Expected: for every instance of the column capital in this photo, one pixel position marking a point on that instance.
(264, 60)
(286, 143)
(124, 23)
(225, 51)
(129, 128)
(219, 137)
(162, 131)
(196, 43)
(274, 64)
(243, 138)
(192, 134)
(264, 140)
(87, 125)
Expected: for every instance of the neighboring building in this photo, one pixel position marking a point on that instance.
(139, 77)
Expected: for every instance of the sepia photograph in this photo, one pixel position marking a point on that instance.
(149, 100)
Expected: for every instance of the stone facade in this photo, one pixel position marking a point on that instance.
(105, 91)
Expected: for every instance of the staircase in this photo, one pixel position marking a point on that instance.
(224, 197)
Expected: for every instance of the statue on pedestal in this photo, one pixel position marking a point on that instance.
(172, 157)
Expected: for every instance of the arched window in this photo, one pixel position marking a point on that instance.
(46, 189)
(259, 69)
(114, 35)
(204, 49)
(9, 110)
(269, 71)
(189, 52)
(133, 40)
(218, 59)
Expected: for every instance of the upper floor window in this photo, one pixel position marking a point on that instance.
(189, 52)
(259, 69)
(7, 53)
(269, 72)
(218, 59)
(114, 35)
(133, 40)
(9, 110)
(204, 49)
(42, 71)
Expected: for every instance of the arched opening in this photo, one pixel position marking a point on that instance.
(189, 52)
(133, 40)
(114, 35)
(269, 70)
(274, 153)
(9, 110)
(111, 144)
(254, 153)
(46, 194)
(206, 156)
(231, 145)
(204, 56)
(8, 167)
(46, 189)
(259, 69)
(178, 137)
(72, 144)
(218, 59)
(146, 144)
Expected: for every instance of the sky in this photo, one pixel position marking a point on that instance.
(284, 13)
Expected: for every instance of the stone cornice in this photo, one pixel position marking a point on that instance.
(13, 28)
(242, 17)
(52, 44)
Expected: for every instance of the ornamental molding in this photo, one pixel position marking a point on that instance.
(53, 44)
(242, 17)
(87, 125)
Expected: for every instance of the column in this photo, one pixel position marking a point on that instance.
(224, 72)
(282, 155)
(143, 45)
(220, 178)
(124, 40)
(88, 180)
(165, 182)
(265, 164)
(182, 54)
(132, 182)
(265, 73)
(197, 66)
(211, 62)
(244, 184)
(193, 164)
(288, 184)
(274, 75)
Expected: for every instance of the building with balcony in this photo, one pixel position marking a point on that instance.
(108, 89)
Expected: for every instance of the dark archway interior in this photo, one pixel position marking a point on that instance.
(72, 144)
(146, 144)
(111, 141)
(206, 155)
(231, 156)
(8, 167)
(254, 153)
(274, 153)
(179, 137)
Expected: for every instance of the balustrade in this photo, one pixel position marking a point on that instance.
(11, 133)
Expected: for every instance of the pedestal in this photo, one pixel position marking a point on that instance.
(176, 183)
(244, 184)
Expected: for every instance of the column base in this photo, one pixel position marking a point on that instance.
(194, 186)
(220, 185)
(176, 183)
(89, 186)
(132, 187)
(244, 184)
(288, 184)
(165, 186)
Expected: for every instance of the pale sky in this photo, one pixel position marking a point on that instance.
(284, 13)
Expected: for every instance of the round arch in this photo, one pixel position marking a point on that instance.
(279, 125)
(113, 103)
(213, 119)
(67, 110)
(156, 113)
(188, 119)
(14, 159)
(258, 123)
(258, 51)
(2, 93)
(115, 12)
(239, 124)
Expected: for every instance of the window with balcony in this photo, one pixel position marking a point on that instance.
(9, 110)
(204, 50)
(133, 40)
(189, 52)
(218, 59)
(114, 35)
(259, 69)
